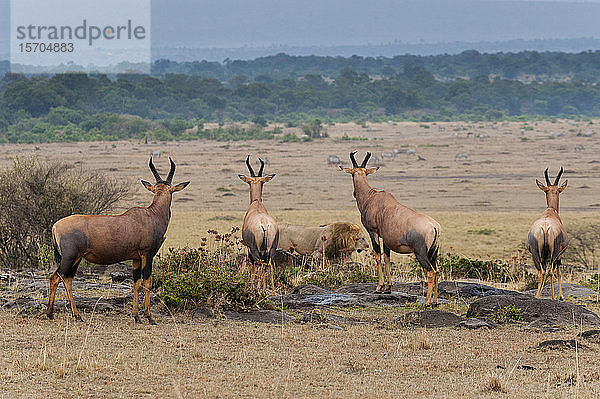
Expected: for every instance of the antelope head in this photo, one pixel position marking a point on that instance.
(163, 186)
(552, 190)
(359, 170)
(255, 181)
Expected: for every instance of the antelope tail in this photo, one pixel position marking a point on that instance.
(432, 252)
(545, 250)
(57, 256)
(263, 248)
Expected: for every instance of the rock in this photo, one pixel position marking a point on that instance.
(470, 290)
(309, 289)
(474, 323)
(429, 318)
(544, 325)
(573, 290)
(202, 313)
(590, 335)
(263, 316)
(530, 309)
(560, 344)
(118, 277)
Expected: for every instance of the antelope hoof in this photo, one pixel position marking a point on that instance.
(151, 320)
(78, 318)
(50, 315)
(378, 290)
(137, 318)
(388, 289)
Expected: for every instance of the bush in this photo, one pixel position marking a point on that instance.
(583, 245)
(35, 194)
(453, 266)
(187, 278)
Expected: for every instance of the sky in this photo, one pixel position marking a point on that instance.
(239, 23)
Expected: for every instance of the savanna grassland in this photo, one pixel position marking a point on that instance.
(485, 205)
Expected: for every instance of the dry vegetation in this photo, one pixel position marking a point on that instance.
(111, 357)
(485, 205)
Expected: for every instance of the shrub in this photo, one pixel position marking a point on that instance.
(455, 266)
(507, 313)
(215, 278)
(35, 194)
(583, 245)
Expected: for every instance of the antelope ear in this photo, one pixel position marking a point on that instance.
(268, 177)
(540, 185)
(347, 170)
(244, 178)
(563, 186)
(179, 187)
(371, 170)
(148, 186)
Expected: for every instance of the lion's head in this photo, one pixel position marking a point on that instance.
(345, 238)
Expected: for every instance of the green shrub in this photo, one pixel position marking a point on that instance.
(507, 314)
(453, 266)
(187, 278)
(290, 138)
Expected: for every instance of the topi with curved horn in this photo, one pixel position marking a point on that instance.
(134, 235)
(547, 238)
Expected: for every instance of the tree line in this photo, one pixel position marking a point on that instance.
(71, 107)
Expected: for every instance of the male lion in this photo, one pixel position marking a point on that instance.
(341, 239)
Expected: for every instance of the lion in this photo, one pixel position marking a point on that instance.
(340, 239)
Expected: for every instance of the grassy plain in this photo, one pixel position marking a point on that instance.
(485, 205)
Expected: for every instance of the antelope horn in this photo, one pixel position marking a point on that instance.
(364, 164)
(558, 177)
(547, 178)
(249, 167)
(154, 172)
(171, 172)
(262, 166)
(354, 164)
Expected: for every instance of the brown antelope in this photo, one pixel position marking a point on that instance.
(259, 232)
(403, 230)
(136, 234)
(547, 239)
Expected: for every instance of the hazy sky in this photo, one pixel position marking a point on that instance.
(237, 23)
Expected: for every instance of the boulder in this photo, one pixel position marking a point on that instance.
(429, 318)
(475, 323)
(530, 309)
(574, 290)
(469, 290)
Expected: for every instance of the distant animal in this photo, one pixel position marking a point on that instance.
(410, 151)
(377, 161)
(156, 154)
(579, 148)
(341, 239)
(547, 238)
(134, 235)
(390, 155)
(262, 161)
(403, 230)
(333, 160)
(461, 155)
(420, 158)
(259, 231)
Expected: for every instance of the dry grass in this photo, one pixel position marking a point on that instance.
(212, 358)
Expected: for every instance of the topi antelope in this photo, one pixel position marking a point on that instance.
(259, 232)
(403, 230)
(547, 239)
(136, 234)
